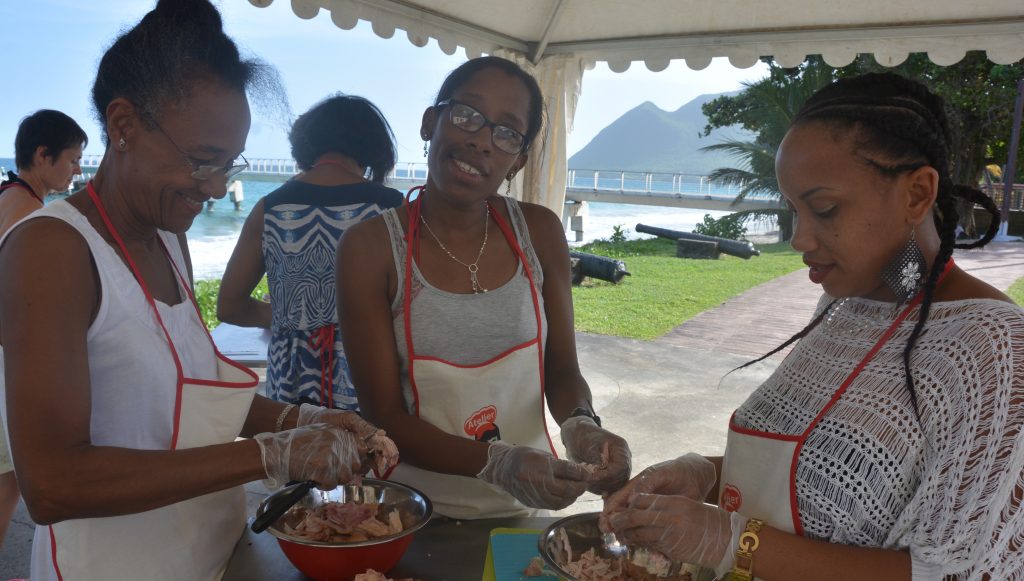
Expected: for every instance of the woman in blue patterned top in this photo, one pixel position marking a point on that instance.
(345, 148)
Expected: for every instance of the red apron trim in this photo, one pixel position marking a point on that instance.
(53, 554)
(494, 359)
(766, 435)
(156, 313)
(798, 525)
(322, 339)
(412, 249)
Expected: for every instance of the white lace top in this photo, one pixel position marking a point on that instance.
(946, 483)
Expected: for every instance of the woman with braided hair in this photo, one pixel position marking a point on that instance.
(887, 445)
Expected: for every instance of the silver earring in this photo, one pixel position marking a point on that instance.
(905, 273)
(122, 144)
(426, 146)
(508, 184)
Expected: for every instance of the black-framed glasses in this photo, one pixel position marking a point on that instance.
(207, 172)
(469, 119)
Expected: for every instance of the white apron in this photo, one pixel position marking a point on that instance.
(192, 539)
(759, 468)
(499, 399)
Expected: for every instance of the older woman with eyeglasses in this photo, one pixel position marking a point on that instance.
(459, 327)
(123, 417)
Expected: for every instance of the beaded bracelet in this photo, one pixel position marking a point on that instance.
(284, 415)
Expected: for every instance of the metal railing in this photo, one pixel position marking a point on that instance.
(580, 180)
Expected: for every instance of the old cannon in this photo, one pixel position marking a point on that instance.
(742, 249)
(596, 266)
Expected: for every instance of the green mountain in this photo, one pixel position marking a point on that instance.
(647, 138)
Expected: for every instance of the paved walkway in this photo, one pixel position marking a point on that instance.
(763, 318)
(671, 395)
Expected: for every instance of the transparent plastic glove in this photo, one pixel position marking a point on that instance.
(325, 454)
(374, 440)
(588, 443)
(680, 528)
(692, 476)
(536, 479)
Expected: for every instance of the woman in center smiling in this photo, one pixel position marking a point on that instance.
(460, 326)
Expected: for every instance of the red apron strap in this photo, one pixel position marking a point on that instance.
(149, 299)
(322, 339)
(845, 385)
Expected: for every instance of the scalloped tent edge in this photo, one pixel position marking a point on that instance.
(557, 40)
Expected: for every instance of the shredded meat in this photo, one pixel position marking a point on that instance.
(372, 575)
(641, 565)
(337, 522)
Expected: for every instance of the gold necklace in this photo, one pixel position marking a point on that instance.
(472, 267)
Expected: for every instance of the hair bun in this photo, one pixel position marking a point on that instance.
(189, 12)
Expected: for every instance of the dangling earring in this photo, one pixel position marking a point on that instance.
(508, 184)
(122, 144)
(426, 145)
(905, 273)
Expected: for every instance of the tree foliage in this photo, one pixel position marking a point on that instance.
(979, 96)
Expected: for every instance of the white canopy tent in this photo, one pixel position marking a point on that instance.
(558, 39)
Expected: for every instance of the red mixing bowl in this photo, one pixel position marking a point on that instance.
(324, 561)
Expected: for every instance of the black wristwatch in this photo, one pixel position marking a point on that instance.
(586, 412)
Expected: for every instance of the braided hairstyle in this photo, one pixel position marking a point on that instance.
(901, 123)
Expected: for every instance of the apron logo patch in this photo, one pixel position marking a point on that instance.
(732, 499)
(481, 425)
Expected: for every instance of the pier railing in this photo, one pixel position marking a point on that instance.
(582, 185)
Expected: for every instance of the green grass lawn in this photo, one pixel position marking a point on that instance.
(1016, 291)
(663, 291)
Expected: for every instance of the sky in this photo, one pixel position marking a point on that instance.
(53, 48)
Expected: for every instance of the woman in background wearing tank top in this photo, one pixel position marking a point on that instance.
(47, 151)
(292, 234)
(459, 327)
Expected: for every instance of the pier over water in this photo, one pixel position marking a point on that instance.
(675, 190)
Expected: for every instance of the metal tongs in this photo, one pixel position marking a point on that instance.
(280, 504)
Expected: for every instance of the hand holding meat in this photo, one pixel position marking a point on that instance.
(587, 443)
(692, 476)
(680, 528)
(375, 441)
(325, 454)
(535, 478)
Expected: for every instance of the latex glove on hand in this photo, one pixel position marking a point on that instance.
(692, 476)
(586, 442)
(535, 478)
(375, 441)
(680, 528)
(325, 454)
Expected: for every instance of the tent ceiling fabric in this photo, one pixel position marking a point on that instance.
(657, 31)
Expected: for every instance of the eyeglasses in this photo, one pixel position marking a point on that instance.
(469, 119)
(207, 172)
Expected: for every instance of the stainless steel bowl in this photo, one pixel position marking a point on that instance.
(583, 534)
(414, 508)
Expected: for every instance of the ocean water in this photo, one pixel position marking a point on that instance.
(215, 231)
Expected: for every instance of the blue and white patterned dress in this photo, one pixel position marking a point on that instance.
(302, 224)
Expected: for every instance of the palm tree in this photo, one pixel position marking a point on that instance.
(766, 107)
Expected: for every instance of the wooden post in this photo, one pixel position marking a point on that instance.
(1011, 163)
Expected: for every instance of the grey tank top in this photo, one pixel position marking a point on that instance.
(467, 329)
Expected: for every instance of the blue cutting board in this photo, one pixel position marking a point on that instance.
(508, 554)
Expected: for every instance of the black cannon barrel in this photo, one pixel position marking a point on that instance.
(601, 267)
(738, 248)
